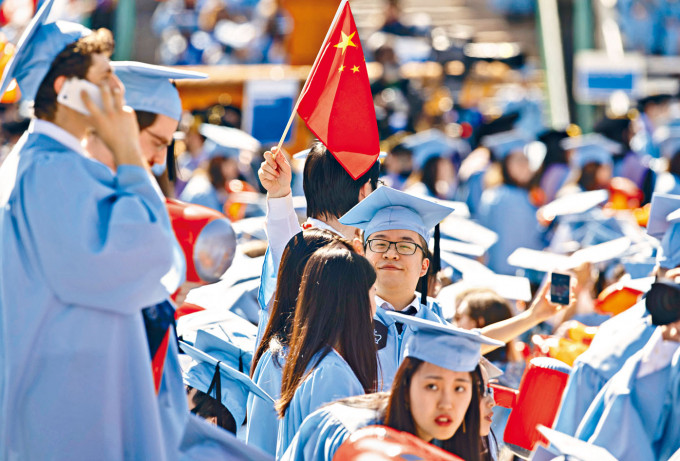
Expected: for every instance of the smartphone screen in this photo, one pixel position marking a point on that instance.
(559, 288)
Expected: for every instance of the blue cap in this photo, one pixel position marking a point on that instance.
(443, 345)
(433, 143)
(38, 46)
(224, 141)
(505, 143)
(148, 87)
(235, 386)
(390, 209)
(591, 148)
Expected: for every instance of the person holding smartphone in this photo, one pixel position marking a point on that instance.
(83, 252)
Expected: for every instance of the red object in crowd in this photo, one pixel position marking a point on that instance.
(186, 309)
(206, 238)
(381, 443)
(336, 101)
(535, 402)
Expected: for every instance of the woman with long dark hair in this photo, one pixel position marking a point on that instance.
(332, 352)
(270, 354)
(436, 396)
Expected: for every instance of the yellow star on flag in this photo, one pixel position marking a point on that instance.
(355, 69)
(346, 41)
(341, 68)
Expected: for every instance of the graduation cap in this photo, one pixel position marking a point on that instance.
(466, 230)
(552, 139)
(505, 143)
(591, 148)
(390, 209)
(544, 261)
(567, 447)
(213, 374)
(443, 345)
(433, 143)
(302, 155)
(223, 141)
(37, 48)
(149, 88)
(575, 203)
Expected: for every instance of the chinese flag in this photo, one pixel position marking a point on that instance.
(336, 102)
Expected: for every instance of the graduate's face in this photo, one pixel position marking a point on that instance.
(486, 405)
(438, 399)
(397, 272)
(155, 139)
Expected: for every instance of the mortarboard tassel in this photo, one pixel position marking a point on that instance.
(423, 289)
(172, 164)
(216, 383)
(436, 258)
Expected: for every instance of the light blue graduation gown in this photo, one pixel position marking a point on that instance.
(325, 430)
(667, 183)
(332, 379)
(263, 420)
(637, 417)
(616, 340)
(391, 350)
(83, 251)
(507, 211)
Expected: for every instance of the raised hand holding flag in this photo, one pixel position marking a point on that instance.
(336, 101)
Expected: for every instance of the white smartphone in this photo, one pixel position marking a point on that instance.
(70, 94)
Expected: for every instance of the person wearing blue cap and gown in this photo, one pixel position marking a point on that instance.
(392, 218)
(158, 108)
(397, 227)
(619, 338)
(507, 208)
(83, 252)
(436, 157)
(270, 354)
(591, 155)
(440, 378)
(221, 150)
(627, 163)
(329, 192)
(215, 372)
(331, 354)
(211, 372)
(636, 415)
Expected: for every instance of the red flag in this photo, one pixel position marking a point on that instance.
(336, 102)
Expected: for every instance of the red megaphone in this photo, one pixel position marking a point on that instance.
(535, 402)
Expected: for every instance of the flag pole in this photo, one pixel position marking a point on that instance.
(290, 121)
(318, 56)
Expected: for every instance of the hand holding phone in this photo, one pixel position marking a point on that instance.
(560, 288)
(70, 94)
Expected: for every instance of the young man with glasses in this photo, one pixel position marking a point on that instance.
(397, 227)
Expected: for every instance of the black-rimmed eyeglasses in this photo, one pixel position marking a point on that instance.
(405, 248)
